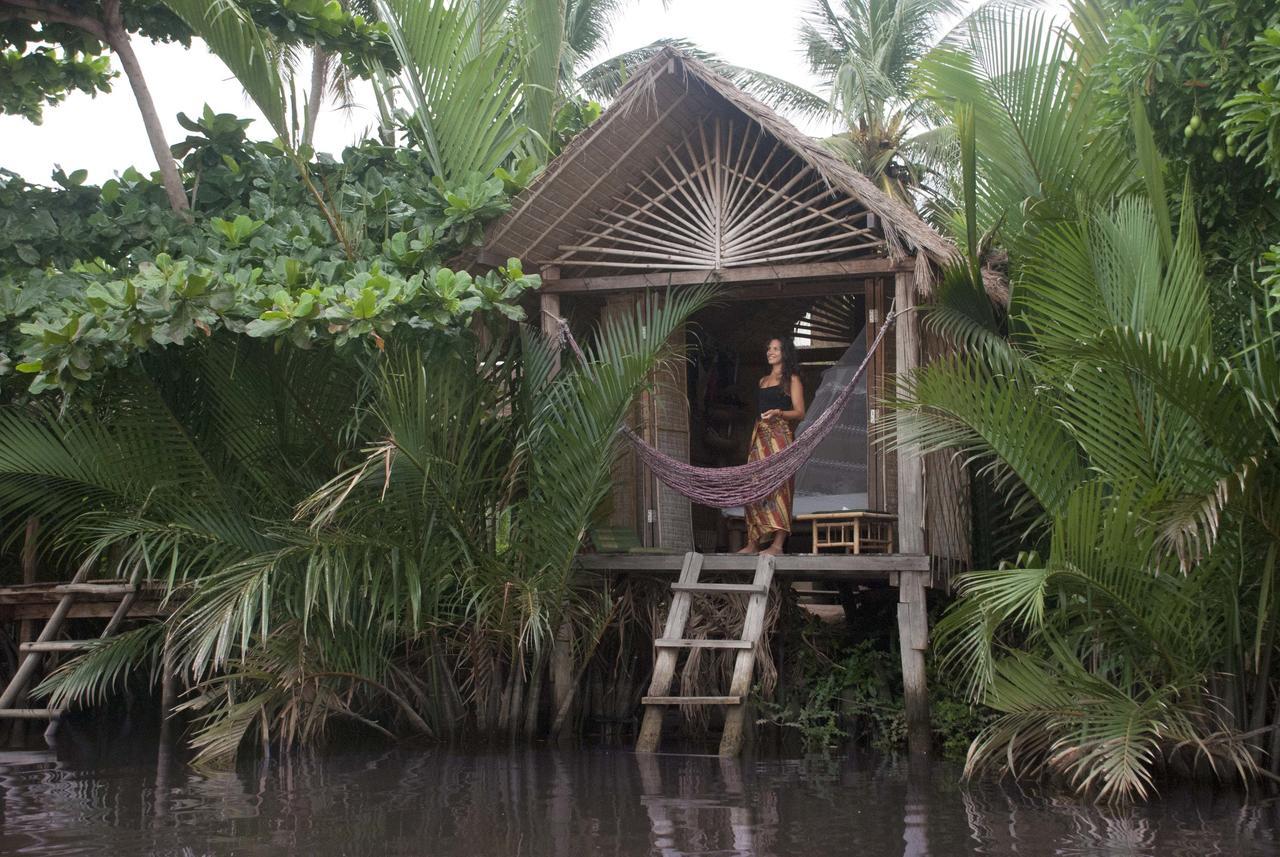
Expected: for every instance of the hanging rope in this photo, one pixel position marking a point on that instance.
(723, 487)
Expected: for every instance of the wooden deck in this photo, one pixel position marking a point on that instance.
(828, 568)
(38, 600)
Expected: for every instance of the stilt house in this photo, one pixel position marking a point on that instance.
(686, 177)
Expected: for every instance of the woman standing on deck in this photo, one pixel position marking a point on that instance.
(781, 402)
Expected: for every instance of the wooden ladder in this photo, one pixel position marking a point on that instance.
(673, 640)
(33, 653)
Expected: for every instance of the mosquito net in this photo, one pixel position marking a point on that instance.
(834, 478)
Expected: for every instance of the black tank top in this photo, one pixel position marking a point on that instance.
(771, 398)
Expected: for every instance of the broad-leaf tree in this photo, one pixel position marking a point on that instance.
(50, 47)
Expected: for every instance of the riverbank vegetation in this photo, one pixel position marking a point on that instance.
(263, 378)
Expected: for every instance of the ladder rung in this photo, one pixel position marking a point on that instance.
(31, 713)
(744, 588)
(692, 700)
(95, 588)
(57, 646)
(703, 644)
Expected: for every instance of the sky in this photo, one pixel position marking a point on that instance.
(104, 134)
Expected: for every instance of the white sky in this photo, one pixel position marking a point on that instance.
(104, 134)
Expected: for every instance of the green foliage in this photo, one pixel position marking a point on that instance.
(1252, 122)
(259, 258)
(1041, 157)
(866, 51)
(43, 76)
(464, 105)
(1109, 411)
(1207, 70)
(1140, 466)
(44, 57)
(866, 55)
(573, 117)
(835, 690)
(399, 552)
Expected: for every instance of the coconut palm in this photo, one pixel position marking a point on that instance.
(865, 52)
(603, 80)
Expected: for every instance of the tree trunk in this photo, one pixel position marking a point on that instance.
(315, 96)
(118, 39)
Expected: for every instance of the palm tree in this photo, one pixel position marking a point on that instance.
(603, 80)
(1133, 630)
(393, 546)
(866, 52)
(1035, 110)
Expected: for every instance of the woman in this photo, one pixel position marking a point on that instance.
(781, 402)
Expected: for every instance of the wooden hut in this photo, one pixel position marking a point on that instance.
(684, 178)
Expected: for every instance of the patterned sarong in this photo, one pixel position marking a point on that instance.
(773, 513)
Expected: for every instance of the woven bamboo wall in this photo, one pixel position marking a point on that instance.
(670, 431)
(661, 414)
(948, 510)
(625, 498)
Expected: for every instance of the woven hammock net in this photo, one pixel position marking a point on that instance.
(725, 487)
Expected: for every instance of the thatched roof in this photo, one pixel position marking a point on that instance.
(666, 98)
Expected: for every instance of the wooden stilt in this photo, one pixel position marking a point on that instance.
(27, 627)
(913, 640)
(168, 699)
(913, 621)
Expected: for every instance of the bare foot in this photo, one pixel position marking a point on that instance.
(772, 550)
(749, 549)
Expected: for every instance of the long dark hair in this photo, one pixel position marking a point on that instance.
(790, 363)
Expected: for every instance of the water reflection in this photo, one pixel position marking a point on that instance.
(585, 803)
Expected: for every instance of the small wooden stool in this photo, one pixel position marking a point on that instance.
(856, 532)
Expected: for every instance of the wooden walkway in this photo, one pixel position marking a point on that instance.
(56, 603)
(38, 601)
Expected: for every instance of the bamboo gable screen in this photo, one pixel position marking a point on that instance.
(726, 195)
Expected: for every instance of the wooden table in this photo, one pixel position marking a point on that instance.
(856, 532)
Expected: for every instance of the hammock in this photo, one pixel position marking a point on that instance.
(724, 487)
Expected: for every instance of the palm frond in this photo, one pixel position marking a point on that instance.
(247, 49)
(91, 677)
(461, 81)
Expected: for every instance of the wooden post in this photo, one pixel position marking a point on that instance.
(27, 627)
(913, 639)
(562, 671)
(550, 315)
(913, 620)
(910, 463)
(168, 699)
(744, 666)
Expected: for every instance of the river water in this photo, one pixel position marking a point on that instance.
(581, 803)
